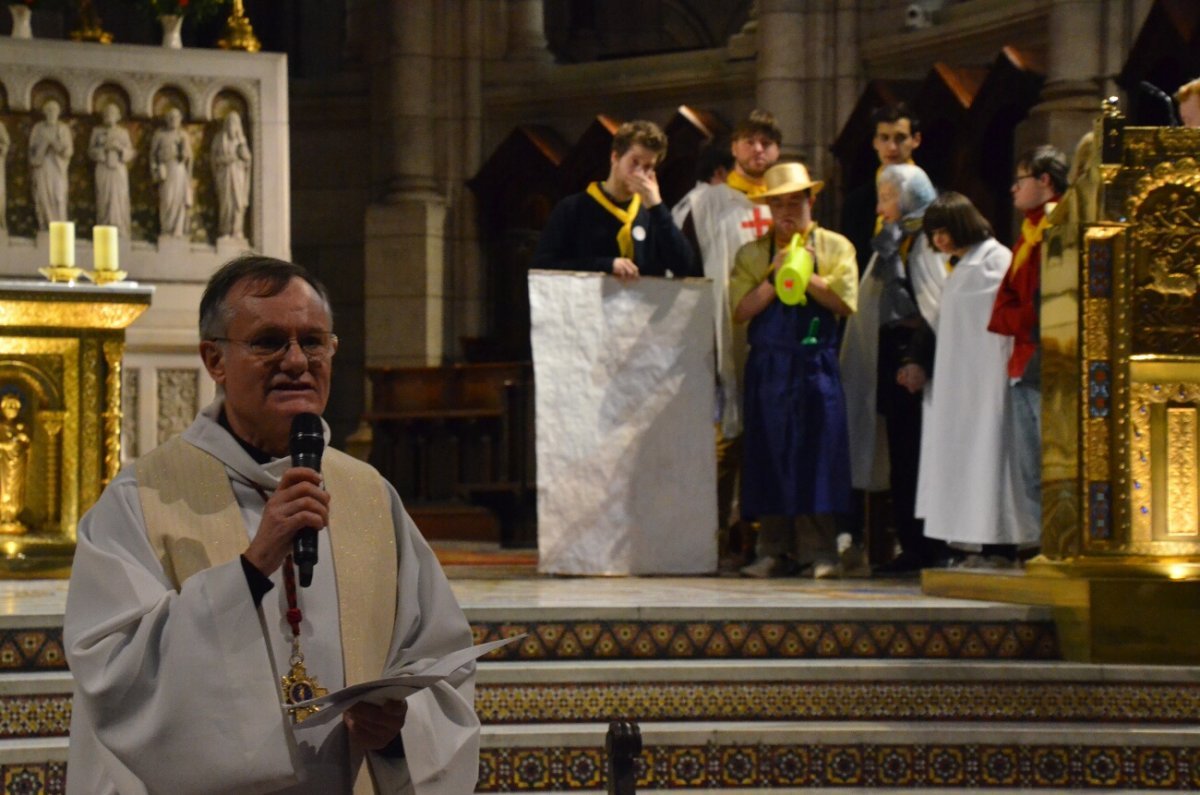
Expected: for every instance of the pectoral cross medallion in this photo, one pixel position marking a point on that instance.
(298, 686)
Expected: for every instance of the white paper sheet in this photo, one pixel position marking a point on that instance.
(626, 458)
(395, 685)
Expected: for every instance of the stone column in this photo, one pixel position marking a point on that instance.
(527, 31)
(404, 287)
(802, 52)
(1074, 77)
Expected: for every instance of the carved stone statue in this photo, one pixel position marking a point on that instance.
(14, 466)
(171, 169)
(50, 151)
(111, 149)
(231, 176)
(4, 144)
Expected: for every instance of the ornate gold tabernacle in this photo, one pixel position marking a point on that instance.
(60, 413)
(1120, 324)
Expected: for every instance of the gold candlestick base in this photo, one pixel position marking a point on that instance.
(106, 277)
(98, 35)
(239, 35)
(89, 25)
(61, 273)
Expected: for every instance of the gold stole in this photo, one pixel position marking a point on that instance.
(626, 216)
(744, 185)
(1031, 236)
(194, 523)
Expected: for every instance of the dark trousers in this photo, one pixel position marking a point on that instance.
(902, 413)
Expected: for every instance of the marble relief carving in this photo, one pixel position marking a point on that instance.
(5, 143)
(50, 150)
(111, 150)
(230, 156)
(171, 169)
(178, 396)
(181, 192)
(131, 379)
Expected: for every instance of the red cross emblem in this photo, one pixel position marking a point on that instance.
(758, 223)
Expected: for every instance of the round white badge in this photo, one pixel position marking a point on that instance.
(639, 233)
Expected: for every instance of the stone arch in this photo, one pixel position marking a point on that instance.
(226, 100)
(169, 97)
(45, 90)
(30, 381)
(109, 93)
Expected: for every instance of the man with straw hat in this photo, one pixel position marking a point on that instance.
(796, 474)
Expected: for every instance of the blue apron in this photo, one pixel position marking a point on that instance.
(797, 446)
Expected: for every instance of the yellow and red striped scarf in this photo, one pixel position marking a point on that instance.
(1031, 235)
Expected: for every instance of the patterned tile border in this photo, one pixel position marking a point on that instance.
(50, 715)
(42, 650)
(48, 778)
(643, 640)
(717, 701)
(934, 765)
(22, 717)
(32, 650)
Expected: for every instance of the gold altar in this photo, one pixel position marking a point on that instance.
(60, 413)
(1120, 323)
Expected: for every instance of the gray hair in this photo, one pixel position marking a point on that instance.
(269, 276)
(913, 185)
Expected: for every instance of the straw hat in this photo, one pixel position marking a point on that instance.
(787, 178)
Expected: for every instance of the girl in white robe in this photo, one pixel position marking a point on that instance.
(965, 490)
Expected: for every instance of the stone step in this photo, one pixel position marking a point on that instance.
(34, 765)
(848, 754)
(921, 691)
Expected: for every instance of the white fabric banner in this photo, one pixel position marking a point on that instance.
(626, 458)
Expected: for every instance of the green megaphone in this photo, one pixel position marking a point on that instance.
(791, 282)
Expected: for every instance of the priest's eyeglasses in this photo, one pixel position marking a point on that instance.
(317, 346)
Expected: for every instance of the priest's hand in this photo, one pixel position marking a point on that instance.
(624, 269)
(912, 377)
(373, 726)
(298, 502)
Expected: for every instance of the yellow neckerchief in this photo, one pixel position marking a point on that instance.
(744, 185)
(626, 216)
(879, 218)
(1031, 235)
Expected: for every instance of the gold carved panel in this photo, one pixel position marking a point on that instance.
(1165, 211)
(44, 373)
(1164, 461)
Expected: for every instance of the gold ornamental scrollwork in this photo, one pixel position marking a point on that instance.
(1164, 488)
(113, 351)
(1165, 206)
(69, 314)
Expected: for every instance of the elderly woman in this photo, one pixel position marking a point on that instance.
(888, 344)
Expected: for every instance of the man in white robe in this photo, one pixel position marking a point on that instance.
(177, 629)
(722, 220)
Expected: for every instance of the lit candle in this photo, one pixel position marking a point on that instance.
(104, 247)
(62, 244)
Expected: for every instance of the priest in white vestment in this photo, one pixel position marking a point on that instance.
(966, 491)
(180, 618)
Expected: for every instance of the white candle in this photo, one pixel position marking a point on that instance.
(62, 244)
(104, 247)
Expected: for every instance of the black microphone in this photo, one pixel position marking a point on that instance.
(1164, 99)
(307, 443)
